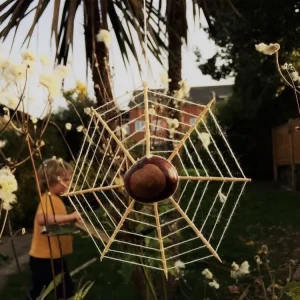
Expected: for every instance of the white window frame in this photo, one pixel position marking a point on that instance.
(139, 124)
(192, 121)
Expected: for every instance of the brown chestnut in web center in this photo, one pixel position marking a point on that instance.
(151, 179)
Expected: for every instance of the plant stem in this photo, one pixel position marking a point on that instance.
(164, 286)
(271, 278)
(184, 294)
(150, 284)
(16, 258)
(3, 226)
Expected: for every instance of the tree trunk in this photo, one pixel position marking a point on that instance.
(176, 29)
(97, 52)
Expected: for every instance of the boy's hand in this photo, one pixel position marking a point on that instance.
(75, 216)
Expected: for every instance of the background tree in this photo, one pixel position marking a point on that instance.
(96, 16)
(260, 100)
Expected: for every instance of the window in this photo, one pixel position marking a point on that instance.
(139, 125)
(156, 124)
(192, 121)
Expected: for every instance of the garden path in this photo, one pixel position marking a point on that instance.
(22, 245)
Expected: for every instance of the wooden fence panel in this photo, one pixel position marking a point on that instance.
(286, 148)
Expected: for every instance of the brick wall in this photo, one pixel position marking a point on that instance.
(138, 112)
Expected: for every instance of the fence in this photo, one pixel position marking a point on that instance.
(286, 153)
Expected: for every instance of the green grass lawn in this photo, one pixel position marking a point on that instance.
(265, 215)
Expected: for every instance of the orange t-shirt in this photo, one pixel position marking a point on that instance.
(40, 243)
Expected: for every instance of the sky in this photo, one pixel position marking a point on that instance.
(124, 80)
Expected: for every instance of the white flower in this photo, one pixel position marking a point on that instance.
(23, 230)
(179, 94)
(104, 36)
(2, 143)
(267, 49)
(214, 284)
(68, 126)
(204, 138)
(33, 119)
(88, 111)
(28, 55)
(257, 259)
(152, 111)
(14, 71)
(264, 249)
(235, 267)
(244, 268)
(30, 66)
(10, 99)
(295, 76)
(172, 123)
(8, 199)
(80, 87)
(234, 274)
(74, 96)
(6, 111)
(121, 131)
(207, 274)
(52, 83)
(184, 86)
(179, 265)
(119, 181)
(171, 133)
(44, 59)
(164, 78)
(62, 71)
(8, 182)
(79, 128)
(40, 143)
(238, 271)
(8, 185)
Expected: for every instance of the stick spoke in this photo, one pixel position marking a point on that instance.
(160, 239)
(182, 141)
(117, 229)
(196, 230)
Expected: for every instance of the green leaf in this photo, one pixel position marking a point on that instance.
(126, 272)
(57, 281)
(83, 290)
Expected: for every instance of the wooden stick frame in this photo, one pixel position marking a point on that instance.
(91, 190)
(161, 244)
(117, 229)
(191, 129)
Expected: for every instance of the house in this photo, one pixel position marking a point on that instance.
(198, 96)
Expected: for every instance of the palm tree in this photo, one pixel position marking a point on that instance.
(177, 27)
(96, 16)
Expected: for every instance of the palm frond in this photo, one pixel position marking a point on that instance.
(63, 19)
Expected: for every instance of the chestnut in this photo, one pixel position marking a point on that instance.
(151, 179)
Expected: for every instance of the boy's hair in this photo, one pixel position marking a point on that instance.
(50, 170)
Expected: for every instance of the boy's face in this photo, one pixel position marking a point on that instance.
(63, 182)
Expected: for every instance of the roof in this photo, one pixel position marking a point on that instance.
(199, 95)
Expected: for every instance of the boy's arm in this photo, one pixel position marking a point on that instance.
(57, 219)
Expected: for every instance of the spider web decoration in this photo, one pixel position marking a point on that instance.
(134, 215)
